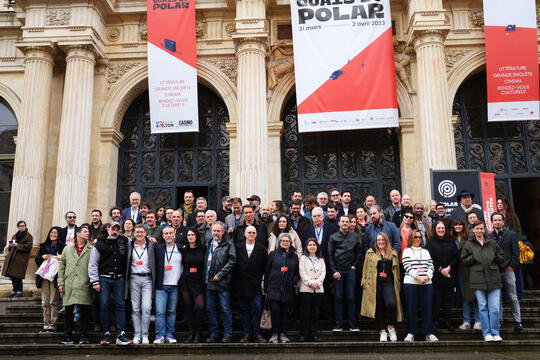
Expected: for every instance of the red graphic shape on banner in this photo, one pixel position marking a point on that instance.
(175, 37)
(489, 197)
(366, 82)
(516, 48)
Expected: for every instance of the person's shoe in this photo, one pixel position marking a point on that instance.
(43, 331)
(245, 339)
(448, 326)
(259, 339)
(62, 311)
(477, 325)
(51, 330)
(337, 327)
(122, 339)
(518, 327)
(383, 337)
(84, 340)
(12, 294)
(431, 338)
(488, 338)
(316, 338)
(145, 340)
(211, 339)
(136, 340)
(465, 326)
(189, 338)
(274, 339)
(226, 339)
(170, 340)
(393, 335)
(497, 338)
(284, 339)
(107, 339)
(354, 327)
(66, 340)
(409, 338)
(302, 339)
(19, 294)
(159, 340)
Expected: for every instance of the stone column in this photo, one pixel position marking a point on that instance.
(435, 128)
(73, 165)
(28, 187)
(252, 118)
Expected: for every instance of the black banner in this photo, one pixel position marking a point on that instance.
(447, 184)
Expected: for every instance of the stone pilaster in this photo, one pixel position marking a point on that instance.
(73, 165)
(434, 119)
(28, 187)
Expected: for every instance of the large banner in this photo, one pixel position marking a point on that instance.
(344, 64)
(447, 184)
(172, 66)
(489, 197)
(512, 60)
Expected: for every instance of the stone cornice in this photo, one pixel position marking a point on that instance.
(111, 135)
(406, 125)
(274, 128)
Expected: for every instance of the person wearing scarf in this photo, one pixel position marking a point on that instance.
(18, 254)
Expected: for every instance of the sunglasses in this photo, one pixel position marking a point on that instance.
(418, 237)
(71, 217)
(409, 217)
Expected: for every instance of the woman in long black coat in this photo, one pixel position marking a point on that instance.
(279, 281)
(17, 257)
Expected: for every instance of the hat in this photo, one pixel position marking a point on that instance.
(254, 197)
(464, 193)
(115, 223)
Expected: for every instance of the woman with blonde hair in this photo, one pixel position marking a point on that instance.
(381, 284)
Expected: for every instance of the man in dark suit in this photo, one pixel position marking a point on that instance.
(133, 212)
(67, 234)
(297, 220)
(346, 207)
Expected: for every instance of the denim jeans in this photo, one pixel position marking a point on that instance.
(417, 295)
(116, 288)
(223, 299)
(488, 306)
(347, 280)
(166, 300)
(509, 287)
(251, 307)
(466, 310)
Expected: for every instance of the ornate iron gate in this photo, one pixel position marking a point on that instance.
(159, 165)
(508, 149)
(362, 161)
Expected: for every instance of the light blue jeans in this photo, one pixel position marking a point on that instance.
(488, 306)
(166, 300)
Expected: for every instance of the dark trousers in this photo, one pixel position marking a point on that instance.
(346, 284)
(251, 308)
(278, 313)
(84, 312)
(309, 322)
(443, 289)
(17, 284)
(115, 289)
(386, 305)
(419, 296)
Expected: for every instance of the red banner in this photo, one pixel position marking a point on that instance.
(489, 197)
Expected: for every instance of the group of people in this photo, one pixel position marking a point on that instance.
(313, 258)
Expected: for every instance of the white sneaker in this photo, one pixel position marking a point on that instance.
(145, 341)
(497, 338)
(136, 340)
(465, 326)
(488, 338)
(393, 335)
(160, 340)
(409, 338)
(477, 325)
(384, 336)
(431, 338)
(274, 339)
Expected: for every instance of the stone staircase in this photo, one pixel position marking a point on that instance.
(20, 322)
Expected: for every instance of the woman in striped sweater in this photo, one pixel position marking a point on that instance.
(417, 287)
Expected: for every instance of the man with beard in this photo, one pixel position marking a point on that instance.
(96, 223)
(381, 225)
(226, 204)
(265, 217)
(239, 237)
(201, 205)
(422, 222)
(332, 211)
(465, 207)
(116, 214)
(297, 220)
(67, 235)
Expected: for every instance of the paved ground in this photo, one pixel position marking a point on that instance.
(414, 356)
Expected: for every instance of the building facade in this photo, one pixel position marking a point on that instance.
(74, 111)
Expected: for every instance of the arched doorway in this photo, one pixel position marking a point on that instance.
(162, 166)
(362, 161)
(8, 129)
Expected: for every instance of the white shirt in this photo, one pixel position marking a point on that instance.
(70, 236)
(173, 265)
(139, 259)
(134, 214)
(249, 248)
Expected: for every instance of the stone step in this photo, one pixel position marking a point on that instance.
(296, 348)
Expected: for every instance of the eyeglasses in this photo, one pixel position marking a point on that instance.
(409, 217)
(71, 217)
(251, 232)
(418, 237)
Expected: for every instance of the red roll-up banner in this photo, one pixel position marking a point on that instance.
(512, 60)
(489, 197)
(172, 66)
(344, 65)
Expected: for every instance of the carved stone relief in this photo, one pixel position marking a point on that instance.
(200, 26)
(279, 64)
(477, 18)
(113, 35)
(402, 62)
(453, 56)
(57, 17)
(228, 66)
(143, 32)
(117, 70)
(229, 29)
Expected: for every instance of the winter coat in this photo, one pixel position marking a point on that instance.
(281, 275)
(249, 271)
(73, 275)
(508, 241)
(369, 284)
(307, 271)
(344, 251)
(484, 263)
(444, 253)
(17, 257)
(464, 272)
(223, 261)
(295, 242)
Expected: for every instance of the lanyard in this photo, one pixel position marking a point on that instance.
(414, 253)
(136, 252)
(318, 234)
(313, 262)
(167, 257)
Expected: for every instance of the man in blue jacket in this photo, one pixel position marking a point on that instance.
(381, 225)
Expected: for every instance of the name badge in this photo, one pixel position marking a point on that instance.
(192, 270)
(421, 270)
(284, 269)
(316, 276)
(383, 275)
(168, 267)
(139, 262)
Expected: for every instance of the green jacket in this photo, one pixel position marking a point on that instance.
(73, 275)
(483, 262)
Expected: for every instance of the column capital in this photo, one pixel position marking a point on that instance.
(423, 37)
(257, 42)
(44, 51)
(85, 50)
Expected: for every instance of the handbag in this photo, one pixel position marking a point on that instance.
(266, 320)
(525, 253)
(49, 269)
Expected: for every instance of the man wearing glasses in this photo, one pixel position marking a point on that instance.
(68, 233)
